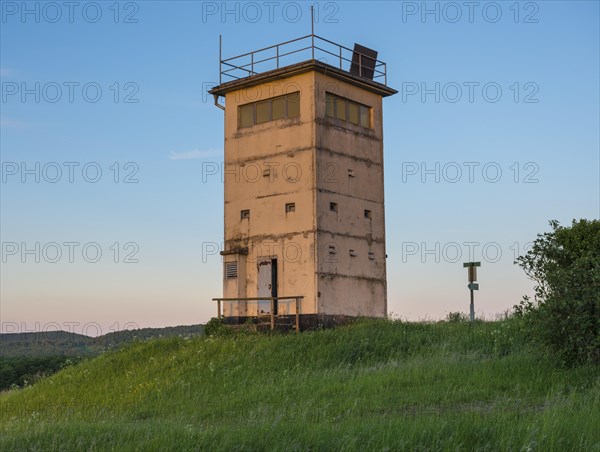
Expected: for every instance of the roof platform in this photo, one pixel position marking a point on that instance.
(358, 66)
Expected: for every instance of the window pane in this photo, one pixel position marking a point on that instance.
(365, 119)
(293, 105)
(246, 118)
(340, 108)
(262, 112)
(278, 107)
(353, 112)
(329, 105)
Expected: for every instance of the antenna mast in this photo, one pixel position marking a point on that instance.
(312, 30)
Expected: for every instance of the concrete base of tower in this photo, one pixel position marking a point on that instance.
(288, 322)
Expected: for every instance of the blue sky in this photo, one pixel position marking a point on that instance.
(138, 112)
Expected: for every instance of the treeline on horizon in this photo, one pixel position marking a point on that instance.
(22, 371)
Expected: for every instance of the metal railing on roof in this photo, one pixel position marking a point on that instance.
(306, 48)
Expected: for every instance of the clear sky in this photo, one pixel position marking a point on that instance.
(107, 138)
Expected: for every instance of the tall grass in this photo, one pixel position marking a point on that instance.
(371, 385)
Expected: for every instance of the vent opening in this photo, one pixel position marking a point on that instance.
(231, 270)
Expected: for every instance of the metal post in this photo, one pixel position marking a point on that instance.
(472, 277)
(385, 73)
(360, 64)
(252, 62)
(472, 306)
(312, 30)
(297, 315)
(218, 309)
(341, 57)
(277, 57)
(272, 314)
(220, 58)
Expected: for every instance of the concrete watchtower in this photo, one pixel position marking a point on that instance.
(303, 167)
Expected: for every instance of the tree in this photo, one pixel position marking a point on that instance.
(565, 264)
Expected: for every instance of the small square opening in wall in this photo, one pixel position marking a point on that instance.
(333, 206)
(350, 173)
(245, 214)
(371, 255)
(290, 207)
(367, 214)
(332, 249)
(353, 253)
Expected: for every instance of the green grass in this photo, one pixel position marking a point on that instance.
(374, 385)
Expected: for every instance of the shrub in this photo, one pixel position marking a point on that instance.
(565, 316)
(215, 327)
(456, 317)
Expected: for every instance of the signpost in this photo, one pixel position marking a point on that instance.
(472, 273)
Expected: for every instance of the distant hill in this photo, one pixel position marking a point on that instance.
(63, 343)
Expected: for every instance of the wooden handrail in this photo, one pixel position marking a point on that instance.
(272, 300)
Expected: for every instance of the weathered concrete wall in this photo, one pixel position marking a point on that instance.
(235, 286)
(267, 166)
(352, 297)
(306, 161)
(350, 174)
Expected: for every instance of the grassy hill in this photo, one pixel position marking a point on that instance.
(369, 386)
(27, 357)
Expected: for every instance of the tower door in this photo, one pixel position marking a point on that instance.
(267, 284)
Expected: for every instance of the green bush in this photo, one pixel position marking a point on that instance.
(456, 317)
(565, 315)
(215, 327)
